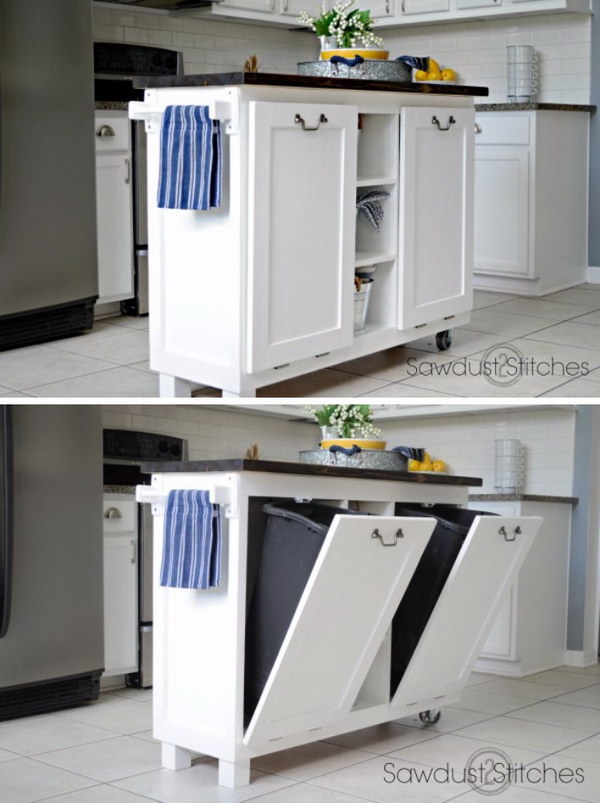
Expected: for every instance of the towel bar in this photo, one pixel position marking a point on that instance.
(218, 109)
(218, 495)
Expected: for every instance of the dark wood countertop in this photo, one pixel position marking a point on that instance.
(308, 469)
(306, 81)
(534, 107)
(566, 500)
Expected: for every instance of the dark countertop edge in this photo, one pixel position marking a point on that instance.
(119, 489)
(305, 81)
(111, 105)
(533, 107)
(280, 467)
(566, 500)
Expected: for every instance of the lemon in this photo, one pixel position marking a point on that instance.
(420, 75)
(426, 465)
(434, 75)
(413, 465)
(427, 457)
(448, 74)
(433, 65)
(439, 465)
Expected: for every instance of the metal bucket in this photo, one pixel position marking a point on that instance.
(369, 70)
(361, 304)
(367, 458)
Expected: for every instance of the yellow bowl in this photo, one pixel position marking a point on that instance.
(348, 443)
(351, 52)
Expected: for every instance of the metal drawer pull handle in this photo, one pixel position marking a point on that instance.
(478, 129)
(299, 119)
(435, 121)
(105, 131)
(377, 534)
(507, 537)
(128, 176)
(113, 513)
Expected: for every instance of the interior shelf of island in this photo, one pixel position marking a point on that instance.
(378, 149)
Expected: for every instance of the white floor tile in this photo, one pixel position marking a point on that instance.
(464, 342)
(392, 364)
(515, 794)
(7, 755)
(540, 308)
(309, 760)
(594, 669)
(586, 750)
(529, 689)
(109, 760)
(576, 295)
(570, 681)
(323, 383)
(304, 793)
(487, 298)
(128, 717)
(30, 735)
(129, 322)
(375, 780)
(25, 368)
(199, 785)
(501, 323)
(26, 780)
(401, 390)
(135, 695)
(126, 347)
(568, 716)
(116, 382)
(551, 783)
(577, 388)
(569, 333)
(456, 750)
(591, 318)
(589, 697)
(382, 738)
(520, 733)
(478, 699)
(98, 794)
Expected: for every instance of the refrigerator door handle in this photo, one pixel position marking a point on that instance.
(6, 517)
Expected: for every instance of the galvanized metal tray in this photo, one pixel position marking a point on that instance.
(369, 70)
(367, 458)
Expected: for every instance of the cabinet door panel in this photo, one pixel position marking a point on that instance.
(114, 210)
(301, 231)
(249, 5)
(295, 7)
(424, 6)
(436, 214)
(501, 236)
(463, 4)
(339, 625)
(486, 566)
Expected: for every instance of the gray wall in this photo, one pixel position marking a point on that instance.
(594, 237)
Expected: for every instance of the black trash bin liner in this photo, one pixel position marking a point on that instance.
(425, 587)
(294, 535)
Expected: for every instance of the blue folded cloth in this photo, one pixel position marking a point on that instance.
(192, 541)
(416, 62)
(191, 159)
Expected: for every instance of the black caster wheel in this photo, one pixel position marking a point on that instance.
(443, 340)
(430, 717)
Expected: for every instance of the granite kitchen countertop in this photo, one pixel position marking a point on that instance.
(533, 107)
(111, 105)
(305, 81)
(567, 500)
(278, 467)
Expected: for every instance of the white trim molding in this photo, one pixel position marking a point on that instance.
(580, 658)
(593, 275)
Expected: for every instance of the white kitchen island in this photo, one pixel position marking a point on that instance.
(333, 670)
(262, 289)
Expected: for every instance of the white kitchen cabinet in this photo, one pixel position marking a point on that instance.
(114, 207)
(120, 584)
(302, 239)
(531, 172)
(381, 8)
(464, 4)
(436, 215)
(287, 238)
(314, 692)
(296, 7)
(501, 231)
(529, 633)
(423, 6)
(249, 5)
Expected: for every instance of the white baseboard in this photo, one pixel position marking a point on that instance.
(593, 275)
(580, 658)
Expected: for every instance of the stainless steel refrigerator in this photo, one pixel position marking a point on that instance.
(51, 572)
(48, 268)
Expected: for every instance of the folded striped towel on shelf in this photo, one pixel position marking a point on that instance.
(191, 159)
(192, 541)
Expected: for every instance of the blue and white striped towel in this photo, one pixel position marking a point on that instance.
(191, 159)
(192, 541)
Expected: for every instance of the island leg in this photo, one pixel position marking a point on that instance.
(175, 758)
(173, 386)
(234, 774)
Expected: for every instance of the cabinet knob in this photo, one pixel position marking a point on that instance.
(113, 513)
(105, 131)
(478, 128)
